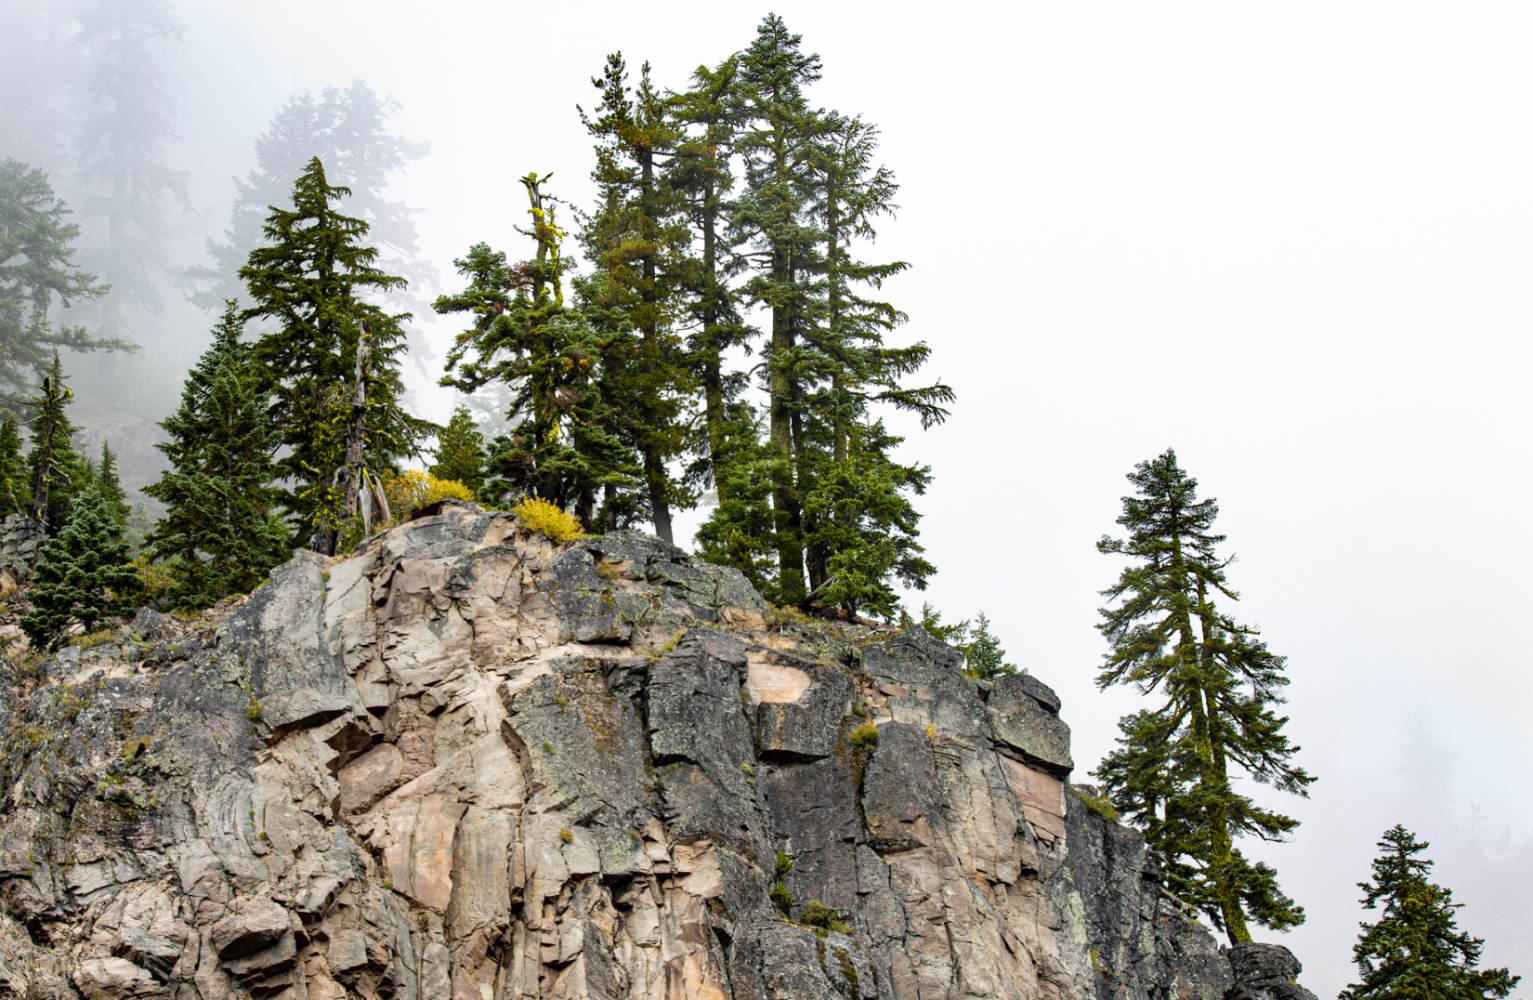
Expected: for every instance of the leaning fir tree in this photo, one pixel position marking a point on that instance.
(1415, 951)
(332, 362)
(82, 576)
(220, 533)
(1217, 683)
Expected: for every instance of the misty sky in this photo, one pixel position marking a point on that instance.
(1290, 240)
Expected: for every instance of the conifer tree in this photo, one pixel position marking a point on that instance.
(859, 523)
(639, 241)
(114, 498)
(706, 116)
(37, 269)
(776, 142)
(122, 145)
(524, 336)
(843, 524)
(1415, 951)
(1217, 683)
(332, 363)
(53, 466)
(983, 656)
(347, 129)
(82, 575)
(984, 659)
(460, 451)
(16, 496)
(221, 532)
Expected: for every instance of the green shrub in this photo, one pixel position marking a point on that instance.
(865, 736)
(824, 919)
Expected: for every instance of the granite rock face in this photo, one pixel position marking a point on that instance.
(466, 764)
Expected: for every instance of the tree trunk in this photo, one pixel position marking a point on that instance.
(356, 430)
(712, 376)
(654, 475)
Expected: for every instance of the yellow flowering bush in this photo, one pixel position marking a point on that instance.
(412, 490)
(549, 519)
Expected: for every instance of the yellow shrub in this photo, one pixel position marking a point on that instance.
(549, 519)
(412, 490)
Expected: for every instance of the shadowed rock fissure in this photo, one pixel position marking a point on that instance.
(466, 764)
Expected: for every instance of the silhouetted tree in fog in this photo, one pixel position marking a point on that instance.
(122, 143)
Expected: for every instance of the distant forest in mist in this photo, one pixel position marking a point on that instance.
(93, 92)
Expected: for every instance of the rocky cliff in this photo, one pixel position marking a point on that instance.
(467, 764)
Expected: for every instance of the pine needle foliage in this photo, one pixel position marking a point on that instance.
(640, 243)
(221, 533)
(109, 485)
(1217, 684)
(83, 575)
(311, 280)
(37, 272)
(460, 451)
(15, 496)
(54, 469)
(525, 336)
(1415, 950)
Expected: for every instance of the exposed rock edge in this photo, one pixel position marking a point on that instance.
(467, 764)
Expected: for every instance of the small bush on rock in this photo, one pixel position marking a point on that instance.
(549, 519)
(414, 489)
(865, 736)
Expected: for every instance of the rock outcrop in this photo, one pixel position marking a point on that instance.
(467, 764)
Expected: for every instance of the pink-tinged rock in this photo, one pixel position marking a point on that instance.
(255, 924)
(1042, 797)
(418, 855)
(370, 777)
(116, 979)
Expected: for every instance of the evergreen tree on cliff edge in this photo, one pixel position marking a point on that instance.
(220, 531)
(82, 577)
(1218, 683)
(1416, 951)
(332, 363)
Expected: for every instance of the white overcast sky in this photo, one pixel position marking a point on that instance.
(1290, 240)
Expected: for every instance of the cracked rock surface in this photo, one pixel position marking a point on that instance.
(464, 763)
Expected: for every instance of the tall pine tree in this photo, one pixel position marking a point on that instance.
(1415, 950)
(706, 115)
(777, 139)
(55, 470)
(639, 240)
(1217, 683)
(332, 363)
(221, 532)
(122, 146)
